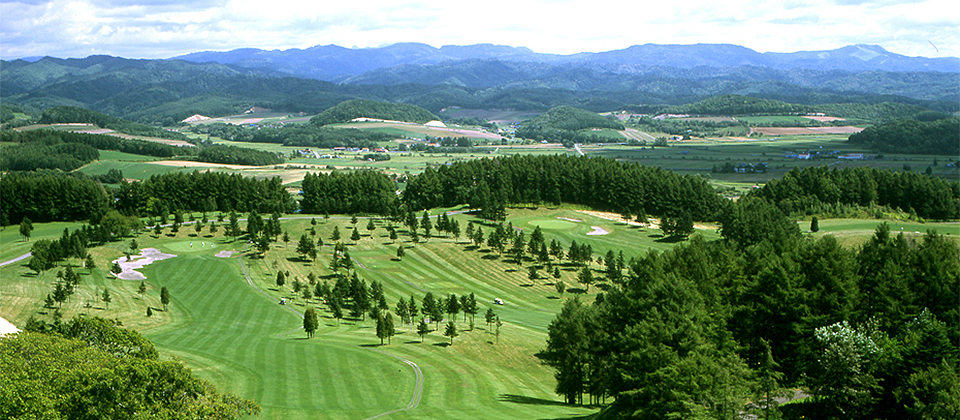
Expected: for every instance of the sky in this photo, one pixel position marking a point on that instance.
(169, 28)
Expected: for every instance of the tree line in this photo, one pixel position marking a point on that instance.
(718, 329)
(65, 150)
(803, 191)
(303, 135)
(348, 192)
(233, 155)
(365, 108)
(566, 124)
(491, 184)
(940, 137)
(72, 114)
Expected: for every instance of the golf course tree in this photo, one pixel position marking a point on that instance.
(560, 286)
(423, 329)
(164, 297)
(233, 229)
(426, 224)
(281, 279)
(26, 228)
(452, 306)
(451, 331)
(814, 224)
(490, 317)
(142, 288)
(385, 327)
(105, 297)
(306, 247)
(310, 322)
(566, 349)
(55, 380)
(355, 236)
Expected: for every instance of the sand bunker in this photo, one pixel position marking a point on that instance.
(597, 230)
(147, 256)
(7, 328)
(569, 219)
(225, 254)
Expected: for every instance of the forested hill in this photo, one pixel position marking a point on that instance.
(164, 92)
(72, 114)
(363, 108)
(912, 136)
(737, 105)
(567, 125)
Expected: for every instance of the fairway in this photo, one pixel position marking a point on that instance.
(552, 224)
(249, 345)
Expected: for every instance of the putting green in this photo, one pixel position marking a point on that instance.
(553, 224)
(190, 246)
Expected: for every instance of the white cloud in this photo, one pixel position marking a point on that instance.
(164, 28)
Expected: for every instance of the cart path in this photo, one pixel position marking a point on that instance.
(20, 258)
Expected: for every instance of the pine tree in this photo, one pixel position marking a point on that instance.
(423, 329)
(310, 322)
(814, 224)
(451, 331)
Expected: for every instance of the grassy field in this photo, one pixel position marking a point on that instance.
(855, 232)
(225, 322)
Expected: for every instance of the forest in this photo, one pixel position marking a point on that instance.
(364, 108)
(565, 124)
(709, 329)
(941, 136)
(808, 191)
(301, 135)
(72, 114)
(233, 155)
(599, 183)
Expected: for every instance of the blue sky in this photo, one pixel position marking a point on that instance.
(167, 28)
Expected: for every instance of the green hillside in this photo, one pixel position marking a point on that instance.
(364, 108)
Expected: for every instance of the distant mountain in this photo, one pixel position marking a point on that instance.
(335, 63)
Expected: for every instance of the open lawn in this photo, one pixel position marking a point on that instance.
(225, 322)
(231, 330)
(855, 232)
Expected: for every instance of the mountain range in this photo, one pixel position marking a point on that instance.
(336, 63)
(643, 78)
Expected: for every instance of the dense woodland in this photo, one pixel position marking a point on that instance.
(709, 329)
(912, 136)
(810, 190)
(348, 193)
(66, 150)
(490, 184)
(72, 114)
(363, 108)
(303, 135)
(90, 368)
(233, 155)
(567, 125)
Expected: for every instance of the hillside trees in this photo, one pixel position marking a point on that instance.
(196, 191)
(55, 379)
(233, 155)
(348, 192)
(490, 184)
(364, 108)
(808, 190)
(675, 337)
(47, 197)
(939, 137)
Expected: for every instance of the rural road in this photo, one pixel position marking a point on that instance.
(20, 258)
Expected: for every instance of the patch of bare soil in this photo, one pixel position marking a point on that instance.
(786, 131)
